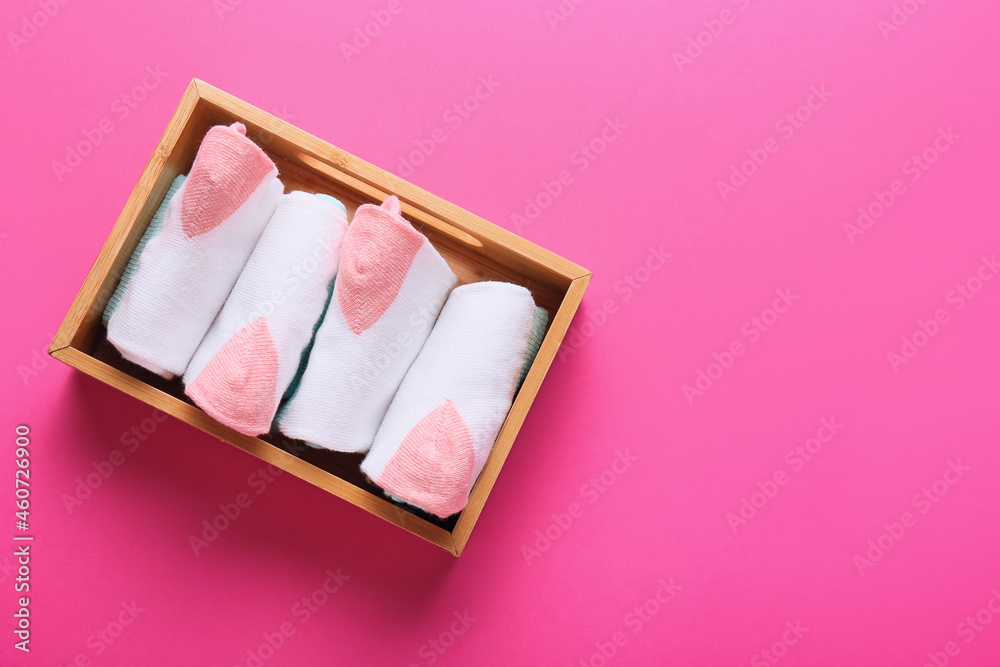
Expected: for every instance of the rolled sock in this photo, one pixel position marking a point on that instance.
(388, 293)
(443, 421)
(252, 350)
(154, 227)
(187, 270)
(538, 325)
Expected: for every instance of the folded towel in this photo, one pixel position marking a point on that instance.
(442, 424)
(388, 293)
(154, 227)
(251, 353)
(187, 270)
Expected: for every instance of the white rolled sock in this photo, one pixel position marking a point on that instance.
(443, 421)
(388, 293)
(154, 227)
(187, 270)
(251, 352)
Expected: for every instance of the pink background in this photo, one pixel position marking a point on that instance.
(673, 514)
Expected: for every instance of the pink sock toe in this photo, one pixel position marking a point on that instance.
(228, 169)
(433, 466)
(238, 386)
(378, 251)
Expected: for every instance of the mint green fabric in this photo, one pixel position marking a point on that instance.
(336, 201)
(538, 324)
(304, 359)
(155, 225)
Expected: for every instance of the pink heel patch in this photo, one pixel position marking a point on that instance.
(433, 466)
(238, 386)
(376, 256)
(226, 171)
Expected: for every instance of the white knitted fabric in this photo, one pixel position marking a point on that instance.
(152, 229)
(251, 352)
(187, 270)
(444, 419)
(388, 293)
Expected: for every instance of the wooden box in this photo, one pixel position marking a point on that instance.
(475, 249)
